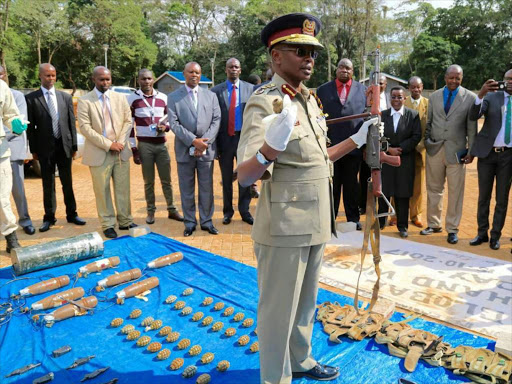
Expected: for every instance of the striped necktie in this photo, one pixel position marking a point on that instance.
(54, 116)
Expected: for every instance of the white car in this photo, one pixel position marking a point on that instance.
(127, 91)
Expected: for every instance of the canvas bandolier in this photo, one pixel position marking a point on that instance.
(480, 365)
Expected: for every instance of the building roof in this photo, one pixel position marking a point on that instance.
(179, 77)
(398, 79)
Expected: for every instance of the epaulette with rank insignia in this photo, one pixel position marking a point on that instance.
(266, 87)
(288, 90)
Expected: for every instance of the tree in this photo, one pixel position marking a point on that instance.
(432, 55)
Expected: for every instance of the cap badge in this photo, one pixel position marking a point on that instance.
(308, 28)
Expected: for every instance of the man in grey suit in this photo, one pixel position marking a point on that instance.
(449, 137)
(232, 94)
(18, 147)
(194, 117)
(493, 147)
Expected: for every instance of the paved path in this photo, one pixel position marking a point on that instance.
(234, 240)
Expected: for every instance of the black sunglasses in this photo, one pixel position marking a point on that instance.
(302, 52)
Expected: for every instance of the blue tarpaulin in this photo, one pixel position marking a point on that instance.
(209, 275)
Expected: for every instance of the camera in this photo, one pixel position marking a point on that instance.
(502, 85)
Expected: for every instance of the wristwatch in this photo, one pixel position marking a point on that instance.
(262, 159)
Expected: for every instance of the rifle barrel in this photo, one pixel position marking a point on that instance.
(347, 118)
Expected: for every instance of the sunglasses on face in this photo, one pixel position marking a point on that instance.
(302, 52)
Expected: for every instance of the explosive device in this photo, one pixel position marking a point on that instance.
(98, 266)
(94, 374)
(118, 278)
(81, 361)
(166, 260)
(55, 253)
(58, 299)
(45, 286)
(137, 289)
(61, 351)
(44, 379)
(76, 308)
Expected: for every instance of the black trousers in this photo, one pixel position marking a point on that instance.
(226, 161)
(48, 161)
(364, 175)
(495, 166)
(345, 176)
(402, 211)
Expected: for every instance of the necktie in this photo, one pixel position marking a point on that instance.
(54, 116)
(508, 121)
(109, 129)
(343, 94)
(193, 94)
(232, 108)
(448, 103)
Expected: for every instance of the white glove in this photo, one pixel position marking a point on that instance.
(360, 137)
(279, 126)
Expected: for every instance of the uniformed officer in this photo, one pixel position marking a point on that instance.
(294, 217)
(10, 116)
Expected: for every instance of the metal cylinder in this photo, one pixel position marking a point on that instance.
(55, 253)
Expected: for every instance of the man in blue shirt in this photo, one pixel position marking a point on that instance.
(233, 94)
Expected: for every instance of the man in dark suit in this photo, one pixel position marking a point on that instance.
(493, 147)
(232, 94)
(403, 129)
(52, 139)
(194, 117)
(344, 97)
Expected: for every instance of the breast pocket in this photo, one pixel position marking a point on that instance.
(297, 148)
(294, 209)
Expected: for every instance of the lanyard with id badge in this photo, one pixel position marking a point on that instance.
(153, 125)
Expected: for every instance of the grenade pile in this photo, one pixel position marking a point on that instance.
(180, 307)
(477, 364)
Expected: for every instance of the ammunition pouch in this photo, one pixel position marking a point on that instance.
(343, 320)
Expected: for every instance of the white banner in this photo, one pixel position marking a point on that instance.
(471, 291)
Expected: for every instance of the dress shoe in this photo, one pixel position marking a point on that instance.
(150, 218)
(46, 226)
(226, 220)
(453, 238)
(359, 227)
(405, 381)
(76, 220)
(392, 221)
(479, 240)
(494, 244)
(110, 233)
(319, 372)
(12, 242)
(211, 230)
(248, 219)
(403, 233)
(430, 230)
(132, 225)
(175, 215)
(188, 231)
(417, 223)
(29, 230)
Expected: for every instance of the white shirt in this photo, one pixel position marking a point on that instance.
(192, 92)
(100, 96)
(383, 101)
(500, 138)
(416, 102)
(396, 116)
(52, 95)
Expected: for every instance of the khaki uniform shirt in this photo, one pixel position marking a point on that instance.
(8, 112)
(295, 204)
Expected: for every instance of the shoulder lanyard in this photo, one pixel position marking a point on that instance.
(152, 106)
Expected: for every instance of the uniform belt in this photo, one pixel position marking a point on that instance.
(300, 174)
(501, 149)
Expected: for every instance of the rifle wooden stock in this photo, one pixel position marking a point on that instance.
(347, 118)
(376, 183)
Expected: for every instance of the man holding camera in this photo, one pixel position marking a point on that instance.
(493, 147)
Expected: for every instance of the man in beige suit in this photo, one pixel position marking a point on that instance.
(448, 139)
(104, 118)
(418, 103)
